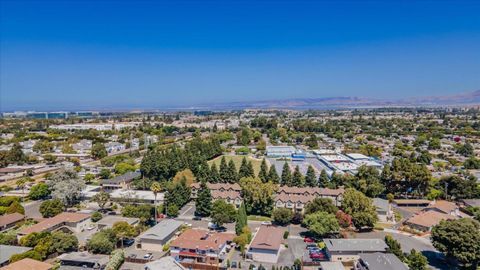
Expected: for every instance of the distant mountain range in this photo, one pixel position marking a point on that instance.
(463, 99)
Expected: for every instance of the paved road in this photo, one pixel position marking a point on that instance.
(32, 209)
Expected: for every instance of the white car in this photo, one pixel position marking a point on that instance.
(147, 256)
(268, 223)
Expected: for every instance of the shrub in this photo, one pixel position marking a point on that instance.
(116, 260)
(285, 234)
(96, 216)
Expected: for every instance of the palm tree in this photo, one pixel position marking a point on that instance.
(155, 188)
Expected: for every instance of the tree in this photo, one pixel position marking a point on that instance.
(16, 155)
(320, 205)
(297, 178)
(172, 210)
(241, 219)
(188, 174)
(272, 175)
(368, 181)
(394, 247)
(203, 203)
(323, 180)
(458, 187)
(416, 261)
(282, 216)
(96, 216)
(321, 223)
(344, 220)
(104, 174)
(459, 239)
(124, 167)
(50, 159)
(465, 150)
(102, 242)
(66, 186)
(222, 212)
(245, 169)
(63, 242)
(312, 141)
(144, 212)
(39, 191)
(123, 230)
(258, 196)
(43, 146)
(224, 171)
(15, 207)
(263, 173)
(310, 177)
(360, 208)
(51, 208)
(286, 175)
(232, 172)
(99, 151)
(156, 188)
(101, 198)
(214, 174)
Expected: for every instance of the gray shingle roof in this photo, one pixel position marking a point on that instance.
(359, 245)
(127, 177)
(382, 261)
(162, 230)
(8, 251)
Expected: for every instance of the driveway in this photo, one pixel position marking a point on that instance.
(32, 209)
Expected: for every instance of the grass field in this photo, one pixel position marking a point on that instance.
(238, 161)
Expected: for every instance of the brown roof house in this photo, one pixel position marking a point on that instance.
(425, 220)
(266, 244)
(196, 248)
(28, 264)
(221, 191)
(10, 220)
(74, 222)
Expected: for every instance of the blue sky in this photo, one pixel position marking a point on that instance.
(154, 54)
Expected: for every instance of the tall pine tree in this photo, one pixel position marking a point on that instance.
(224, 172)
(241, 219)
(286, 175)
(214, 174)
(263, 173)
(203, 204)
(232, 172)
(243, 171)
(323, 179)
(250, 171)
(297, 179)
(273, 175)
(310, 178)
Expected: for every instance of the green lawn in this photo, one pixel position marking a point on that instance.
(238, 161)
(259, 218)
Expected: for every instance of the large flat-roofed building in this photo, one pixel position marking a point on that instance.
(346, 250)
(154, 238)
(108, 221)
(266, 244)
(379, 261)
(280, 151)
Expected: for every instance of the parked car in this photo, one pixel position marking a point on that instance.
(128, 242)
(197, 218)
(308, 240)
(268, 223)
(132, 256)
(311, 245)
(148, 256)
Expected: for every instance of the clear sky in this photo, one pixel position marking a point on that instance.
(153, 54)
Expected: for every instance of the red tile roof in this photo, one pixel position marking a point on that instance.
(10, 218)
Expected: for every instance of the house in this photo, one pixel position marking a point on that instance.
(7, 251)
(158, 235)
(113, 147)
(471, 202)
(197, 247)
(346, 250)
(165, 263)
(295, 198)
(74, 222)
(384, 210)
(108, 221)
(28, 264)
(425, 220)
(82, 260)
(380, 261)
(10, 220)
(444, 207)
(120, 182)
(331, 266)
(266, 244)
(221, 191)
